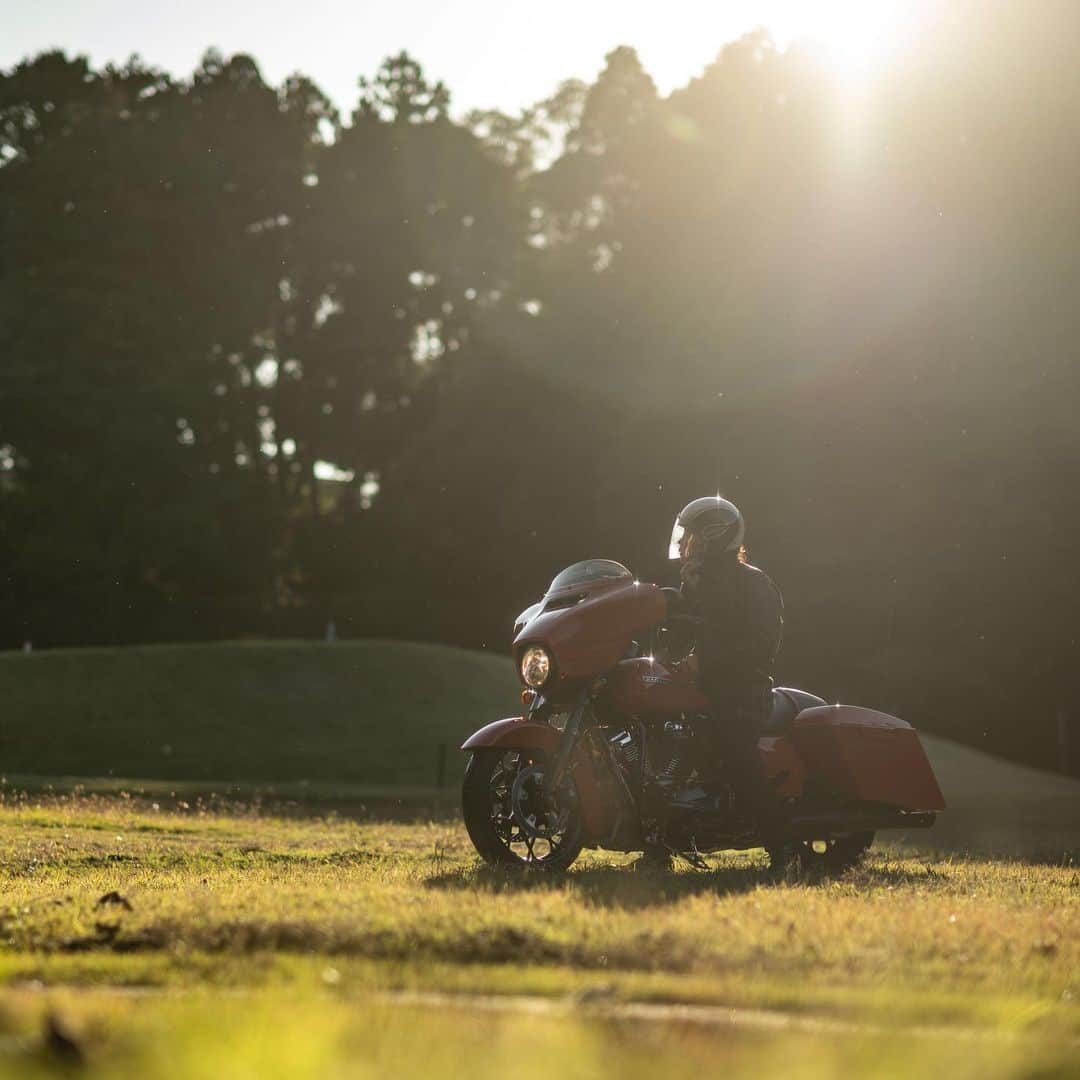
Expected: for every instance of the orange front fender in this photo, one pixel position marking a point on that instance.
(515, 733)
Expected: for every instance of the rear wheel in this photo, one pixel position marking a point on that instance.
(510, 817)
(826, 856)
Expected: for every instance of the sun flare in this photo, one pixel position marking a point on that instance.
(857, 34)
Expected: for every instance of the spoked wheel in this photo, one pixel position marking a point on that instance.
(512, 819)
(826, 856)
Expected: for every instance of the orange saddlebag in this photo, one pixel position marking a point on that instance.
(866, 756)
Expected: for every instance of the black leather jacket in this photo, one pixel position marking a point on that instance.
(742, 623)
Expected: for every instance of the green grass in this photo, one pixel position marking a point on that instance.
(268, 945)
(339, 1034)
(280, 927)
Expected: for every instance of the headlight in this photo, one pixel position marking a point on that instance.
(535, 667)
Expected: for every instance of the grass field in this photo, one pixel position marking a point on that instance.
(286, 937)
(267, 945)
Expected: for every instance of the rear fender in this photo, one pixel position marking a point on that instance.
(516, 733)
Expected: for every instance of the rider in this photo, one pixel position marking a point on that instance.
(741, 623)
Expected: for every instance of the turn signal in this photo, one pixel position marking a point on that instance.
(528, 697)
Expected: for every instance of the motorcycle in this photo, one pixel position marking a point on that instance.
(604, 755)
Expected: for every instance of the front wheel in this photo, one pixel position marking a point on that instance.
(832, 856)
(510, 817)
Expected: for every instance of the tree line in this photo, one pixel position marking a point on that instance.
(264, 367)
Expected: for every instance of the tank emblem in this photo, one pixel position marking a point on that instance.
(655, 680)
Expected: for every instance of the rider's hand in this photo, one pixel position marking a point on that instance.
(690, 664)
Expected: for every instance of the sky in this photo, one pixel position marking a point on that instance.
(491, 54)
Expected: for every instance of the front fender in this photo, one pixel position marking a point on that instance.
(514, 733)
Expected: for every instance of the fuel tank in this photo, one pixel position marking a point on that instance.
(644, 687)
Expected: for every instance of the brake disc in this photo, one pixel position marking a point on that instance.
(532, 808)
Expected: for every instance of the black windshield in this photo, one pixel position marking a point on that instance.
(589, 570)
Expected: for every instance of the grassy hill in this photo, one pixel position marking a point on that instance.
(999, 807)
(371, 712)
(374, 713)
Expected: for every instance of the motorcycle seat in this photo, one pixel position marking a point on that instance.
(787, 703)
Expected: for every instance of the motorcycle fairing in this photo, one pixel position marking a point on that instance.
(588, 627)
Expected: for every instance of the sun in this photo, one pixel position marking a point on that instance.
(857, 34)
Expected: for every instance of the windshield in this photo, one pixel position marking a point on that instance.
(674, 550)
(589, 570)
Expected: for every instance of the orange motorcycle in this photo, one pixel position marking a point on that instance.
(604, 756)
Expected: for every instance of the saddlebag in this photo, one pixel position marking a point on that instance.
(866, 756)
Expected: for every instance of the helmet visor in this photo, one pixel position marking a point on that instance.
(675, 547)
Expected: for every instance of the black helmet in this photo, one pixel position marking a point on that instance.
(717, 523)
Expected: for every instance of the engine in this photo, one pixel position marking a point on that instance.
(625, 750)
(668, 750)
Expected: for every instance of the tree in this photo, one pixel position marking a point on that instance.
(134, 207)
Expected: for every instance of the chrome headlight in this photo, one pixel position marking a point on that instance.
(535, 667)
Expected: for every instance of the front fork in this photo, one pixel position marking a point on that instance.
(572, 732)
(608, 824)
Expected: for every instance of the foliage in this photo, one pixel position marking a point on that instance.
(207, 297)
(850, 308)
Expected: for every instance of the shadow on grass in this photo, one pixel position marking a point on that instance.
(629, 888)
(608, 886)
